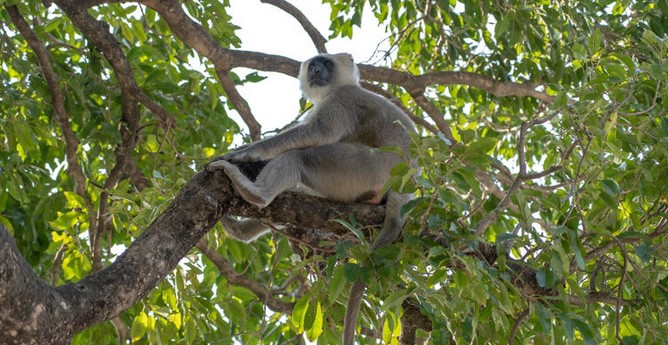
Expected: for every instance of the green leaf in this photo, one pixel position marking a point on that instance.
(299, 313)
(394, 299)
(139, 326)
(352, 272)
(610, 191)
(595, 41)
(644, 251)
(585, 331)
(336, 286)
(4, 221)
(353, 229)
(314, 332)
(545, 278)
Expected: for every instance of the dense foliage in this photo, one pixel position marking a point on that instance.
(541, 204)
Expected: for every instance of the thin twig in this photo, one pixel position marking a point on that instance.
(317, 38)
(520, 320)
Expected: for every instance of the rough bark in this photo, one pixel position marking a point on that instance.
(35, 313)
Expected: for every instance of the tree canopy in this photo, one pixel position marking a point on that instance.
(541, 199)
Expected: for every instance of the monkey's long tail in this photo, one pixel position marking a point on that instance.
(352, 312)
(390, 231)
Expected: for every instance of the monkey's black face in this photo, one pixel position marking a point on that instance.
(320, 71)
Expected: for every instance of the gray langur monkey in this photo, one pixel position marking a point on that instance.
(330, 154)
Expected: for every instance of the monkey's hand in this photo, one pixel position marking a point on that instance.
(243, 154)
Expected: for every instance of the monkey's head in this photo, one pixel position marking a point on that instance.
(322, 73)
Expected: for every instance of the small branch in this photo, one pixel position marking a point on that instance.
(433, 113)
(605, 248)
(520, 320)
(494, 215)
(58, 103)
(57, 261)
(620, 291)
(57, 98)
(166, 119)
(521, 176)
(416, 119)
(318, 40)
(598, 297)
(98, 33)
(239, 279)
(239, 103)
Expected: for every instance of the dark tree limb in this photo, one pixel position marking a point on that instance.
(434, 114)
(35, 313)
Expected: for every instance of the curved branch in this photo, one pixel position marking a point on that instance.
(413, 82)
(418, 120)
(239, 279)
(318, 40)
(58, 103)
(98, 33)
(516, 326)
(434, 114)
(195, 36)
(239, 103)
(108, 292)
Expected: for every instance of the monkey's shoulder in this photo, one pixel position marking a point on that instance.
(356, 99)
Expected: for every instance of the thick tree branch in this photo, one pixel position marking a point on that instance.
(411, 321)
(108, 292)
(412, 82)
(317, 38)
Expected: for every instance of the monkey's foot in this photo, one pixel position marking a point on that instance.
(241, 183)
(214, 165)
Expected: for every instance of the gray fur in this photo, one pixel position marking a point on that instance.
(331, 154)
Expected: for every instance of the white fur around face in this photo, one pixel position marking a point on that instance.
(348, 74)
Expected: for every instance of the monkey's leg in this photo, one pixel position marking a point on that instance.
(345, 171)
(280, 174)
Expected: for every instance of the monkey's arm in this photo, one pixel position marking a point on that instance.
(328, 125)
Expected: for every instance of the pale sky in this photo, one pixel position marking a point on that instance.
(268, 29)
